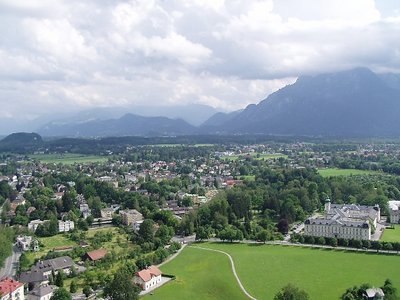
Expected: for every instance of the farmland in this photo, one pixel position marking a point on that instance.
(264, 269)
(329, 172)
(257, 156)
(68, 159)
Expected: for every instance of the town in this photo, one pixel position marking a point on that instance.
(82, 228)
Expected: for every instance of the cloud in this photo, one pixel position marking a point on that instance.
(69, 55)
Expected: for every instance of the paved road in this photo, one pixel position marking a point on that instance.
(11, 264)
(233, 269)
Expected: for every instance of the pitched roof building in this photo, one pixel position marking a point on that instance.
(11, 289)
(96, 254)
(148, 278)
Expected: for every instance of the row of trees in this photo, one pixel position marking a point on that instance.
(334, 242)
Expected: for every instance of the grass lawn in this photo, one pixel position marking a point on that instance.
(49, 243)
(391, 235)
(264, 269)
(258, 156)
(248, 177)
(200, 274)
(68, 159)
(329, 172)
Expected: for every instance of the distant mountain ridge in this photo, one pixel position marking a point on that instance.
(354, 103)
(349, 103)
(127, 125)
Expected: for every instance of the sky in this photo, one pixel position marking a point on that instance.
(60, 56)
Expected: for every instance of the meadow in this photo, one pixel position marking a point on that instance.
(329, 172)
(48, 244)
(264, 269)
(68, 159)
(257, 156)
(391, 235)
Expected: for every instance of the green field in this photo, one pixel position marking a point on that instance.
(48, 244)
(329, 172)
(258, 156)
(68, 159)
(391, 235)
(264, 269)
(200, 274)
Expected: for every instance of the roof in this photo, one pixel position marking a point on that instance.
(148, 273)
(42, 290)
(54, 264)
(8, 285)
(33, 276)
(394, 204)
(372, 292)
(96, 254)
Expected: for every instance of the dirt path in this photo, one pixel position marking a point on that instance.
(233, 269)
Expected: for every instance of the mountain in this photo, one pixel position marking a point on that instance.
(127, 125)
(391, 79)
(20, 141)
(220, 118)
(350, 103)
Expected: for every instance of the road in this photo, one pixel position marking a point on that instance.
(11, 264)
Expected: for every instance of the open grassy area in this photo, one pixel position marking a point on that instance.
(329, 172)
(258, 156)
(391, 235)
(49, 243)
(248, 177)
(68, 159)
(264, 269)
(200, 275)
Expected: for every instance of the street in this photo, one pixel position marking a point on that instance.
(11, 264)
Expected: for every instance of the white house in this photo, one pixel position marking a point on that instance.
(148, 278)
(34, 224)
(130, 216)
(11, 289)
(394, 211)
(65, 226)
(24, 242)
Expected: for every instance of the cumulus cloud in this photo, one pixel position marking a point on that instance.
(68, 55)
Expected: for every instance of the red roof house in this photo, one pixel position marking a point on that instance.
(148, 278)
(96, 254)
(11, 288)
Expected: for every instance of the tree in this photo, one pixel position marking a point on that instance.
(283, 226)
(121, 287)
(263, 236)
(146, 230)
(73, 288)
(202, 233)
(61, 294)
(59, 280)
(291, 292)
(87, 290)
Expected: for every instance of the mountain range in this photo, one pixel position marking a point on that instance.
(350, 103)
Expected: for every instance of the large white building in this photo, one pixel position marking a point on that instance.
(394, 211)
(349, 221)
